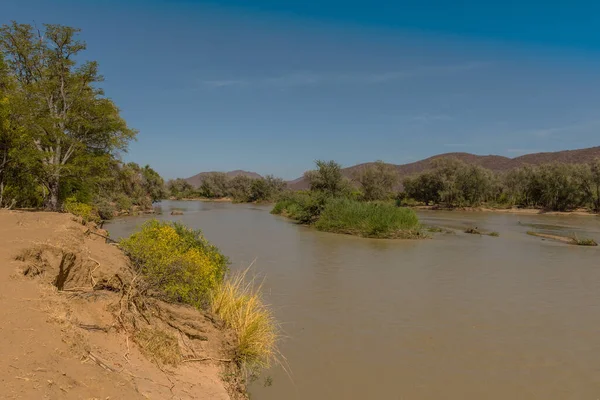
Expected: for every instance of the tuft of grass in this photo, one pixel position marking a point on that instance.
(583, 242)
(158, 345)
(434, 229)
(375, 220)
(494, 234)
(586, 242)
(238, 302)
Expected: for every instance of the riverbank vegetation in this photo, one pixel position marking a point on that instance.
(553, 187)
(179, 265)
(333, 204)
(241, 188)
(60, 137)
(375, 220)
(574, 239)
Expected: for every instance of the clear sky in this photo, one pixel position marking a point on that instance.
(270, 86)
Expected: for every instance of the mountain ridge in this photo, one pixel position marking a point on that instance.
(492, 162)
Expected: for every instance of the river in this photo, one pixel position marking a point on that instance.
(455, 317)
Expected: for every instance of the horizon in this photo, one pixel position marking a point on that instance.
(449, 154)
(271, 87)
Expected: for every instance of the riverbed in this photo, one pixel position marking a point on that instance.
(457, 316)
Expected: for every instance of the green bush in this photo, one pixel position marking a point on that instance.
(85, 211)
(303, 206)
(123, 202)
(105, 209)
(377, 220)
(176, 261)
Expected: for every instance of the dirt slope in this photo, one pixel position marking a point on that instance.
(69, 343)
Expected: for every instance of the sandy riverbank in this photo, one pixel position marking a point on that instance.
(67, 332)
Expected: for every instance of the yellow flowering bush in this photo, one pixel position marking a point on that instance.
(177, 261)
(85, 211)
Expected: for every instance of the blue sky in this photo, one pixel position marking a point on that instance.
(274, 85)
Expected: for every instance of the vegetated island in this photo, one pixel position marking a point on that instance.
(333, 205)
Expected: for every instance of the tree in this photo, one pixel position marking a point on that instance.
(327, 178)
(592, 184)
(154, 184)
(425, 187)
(377, 181)
(180, 188)
(68, 115)
(267, 188)
(215, 185)
(475, 184)
(240, 188)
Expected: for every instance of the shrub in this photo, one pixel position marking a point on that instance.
(238, 303)
(123, 202)
(180, 264)
(176, 261)
(85, 211)
(105, 209)
(303, 206)
(378, 220)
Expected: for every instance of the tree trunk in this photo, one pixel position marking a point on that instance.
(53, 189)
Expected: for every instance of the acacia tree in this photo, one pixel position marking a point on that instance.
(377, 181)
(68, 115)
(327, 178)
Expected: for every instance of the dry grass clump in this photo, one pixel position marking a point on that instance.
(158, 345)
(237, 301)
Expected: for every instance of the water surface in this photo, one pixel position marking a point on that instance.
(455, 317)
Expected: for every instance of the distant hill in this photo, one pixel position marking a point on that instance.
(197, 179)
(495, 163)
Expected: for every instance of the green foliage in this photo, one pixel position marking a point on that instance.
(377, 181)
(267, 188)
(328, 178)
(240, 188)
(85, 211)
(66, 115)
(176, 262)
(179, 264)
(105, 209)
(215, 185)
(425, 187)
(556, 187)
(153, 184)
(60, 137)
(303, 206)
(180, 189)
(376, 220)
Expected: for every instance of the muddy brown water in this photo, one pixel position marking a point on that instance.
(455, 317)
